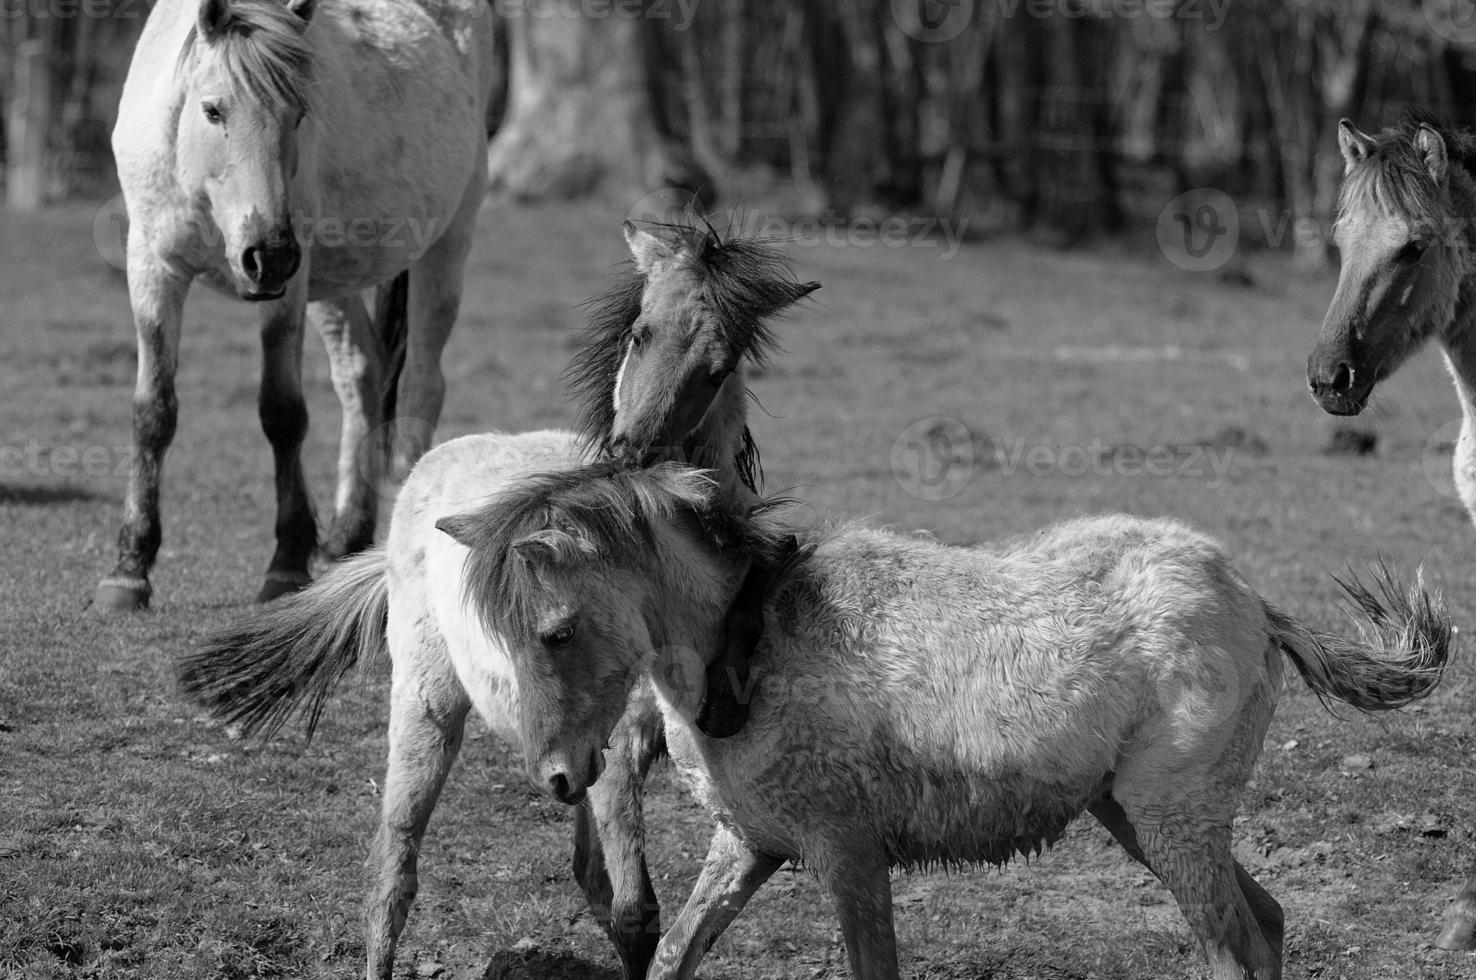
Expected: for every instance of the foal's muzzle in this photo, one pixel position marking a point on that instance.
(268, 267)
(1337, 386)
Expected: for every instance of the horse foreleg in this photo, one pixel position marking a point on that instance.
(428, 711)
(730, 876)
(356, 357)
(284, 419)
(609, 838)
(433, 302)
(859, 884)
(157, 297)
(1460, 921)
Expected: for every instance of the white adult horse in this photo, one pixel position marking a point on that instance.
(296, 154)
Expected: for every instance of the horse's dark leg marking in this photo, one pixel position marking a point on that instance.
(730, 876)
(1460, 922)
(284, 419)
(861, 889)
(356, 356)
(609, 838)
(158, 302)
(424, 739)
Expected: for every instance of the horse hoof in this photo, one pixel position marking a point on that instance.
(121, 595)
(278, 584)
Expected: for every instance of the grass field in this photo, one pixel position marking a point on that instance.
(138, 840)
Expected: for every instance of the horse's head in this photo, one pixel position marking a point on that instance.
(583, 574)
(669, 341)
(1401, 242)
(246, 72)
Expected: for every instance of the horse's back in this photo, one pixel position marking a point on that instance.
(971, 702)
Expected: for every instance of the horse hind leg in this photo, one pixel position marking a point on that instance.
(356, 357)
(1267, 910)
(1460, 922)
(428, 709)
(434, 299)
(609, 839)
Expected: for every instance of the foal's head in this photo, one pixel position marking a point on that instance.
(246, 70)
(1405, 196)
(667, 341)
(584, 574)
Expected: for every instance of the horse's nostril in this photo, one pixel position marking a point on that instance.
(558, 785)
(1342, 379)
(251, 263)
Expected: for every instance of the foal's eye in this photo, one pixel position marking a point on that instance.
(637, 340)
(213, 115)
(558, 636)
(1412, 251)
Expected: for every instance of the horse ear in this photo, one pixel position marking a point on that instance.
(304, 9)
(461, 527)
(553, 545)
(646, 248)
(1432, 147)
(1356, 146)
(214, 14)
(786, 294)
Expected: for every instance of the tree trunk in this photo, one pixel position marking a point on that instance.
(580, 120)
(28, 118)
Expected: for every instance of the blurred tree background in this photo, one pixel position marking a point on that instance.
(1075, 117)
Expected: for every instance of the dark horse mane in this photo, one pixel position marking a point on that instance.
(742, 280)
(1395, 178)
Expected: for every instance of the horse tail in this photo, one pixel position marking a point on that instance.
(290, 655)
(392, 322)
(1405, 644)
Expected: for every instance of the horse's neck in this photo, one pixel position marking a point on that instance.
(719, 442)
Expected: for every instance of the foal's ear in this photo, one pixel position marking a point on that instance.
(647, 249)
(786, 294)
(553, 545)
(1432, 147)
(1356, 146)
(461, 527)
(214, 15)
(304, 9)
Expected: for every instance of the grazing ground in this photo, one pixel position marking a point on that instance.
(138, 840)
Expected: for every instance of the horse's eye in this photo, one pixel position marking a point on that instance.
(558, 636)
(638, 340)
(213, 115)
(1412, 251)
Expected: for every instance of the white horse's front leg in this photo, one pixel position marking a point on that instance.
(356, 358)
(730, 876)
(859, 884)
(157, 296)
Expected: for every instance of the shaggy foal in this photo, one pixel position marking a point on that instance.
(920, 703)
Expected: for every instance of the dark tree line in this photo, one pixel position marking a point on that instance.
(1076, 115)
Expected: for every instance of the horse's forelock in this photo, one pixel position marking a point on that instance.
(264, 50)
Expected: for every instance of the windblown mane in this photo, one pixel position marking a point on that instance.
(739, 278)
(604, 513)
(1394, 178)
(264, 49)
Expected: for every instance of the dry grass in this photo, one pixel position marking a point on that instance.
(138, 840)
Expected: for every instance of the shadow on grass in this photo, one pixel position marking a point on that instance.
(544, 965)
(34, 496)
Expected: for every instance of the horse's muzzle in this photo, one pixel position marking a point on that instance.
(268, 267)
(1338, 387)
